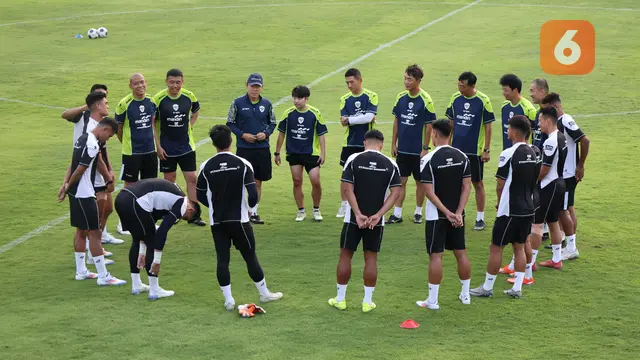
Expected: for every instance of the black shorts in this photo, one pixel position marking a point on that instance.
(352, 234)
(187, 162)
(570, 193)
(236, 233)
(348, 151)
(308, 161)
(409, 164)
(551, 202)
(511, 229)
(134, 219)
(477, 167)
(84, 213)
(260, 160)
(441, 235)
(146, 165)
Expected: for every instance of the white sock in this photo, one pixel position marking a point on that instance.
(563, 236)
(488, 282)
(226, 292)
(254, 210)
(557, 253)
(480, 216)
(100, 266)
(528, 271)
(342, 292)
(433, 293)
(517, 285)
(418, 210)
(571, 242)
(545, 228)
(465, 287)
(368, 293)
(534, 255)
(343, 203)
(81, 266)
(88, 249)
(511, 266)
(136, 283)
(153, 283)
(104, 231)
(397, 212)
(262, 287)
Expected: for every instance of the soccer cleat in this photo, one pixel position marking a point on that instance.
(86, 276)
(139, 290)
(340, 305)
(106, 261)
(417, 219)
(341, 212)
(514, 294)
(550, 264)
(230, 305)
(526, 281)
(271, 297)
(465, 300)
(110, 280)
(479, 225)
(505, 270)
(107, 238)
(570, 255)
(122, 231)
(106, 253)
(394, 220)
(368, 307)
(427, 305)
(198, 222)
(160, 293)
(256, 219)
(301, 215)
(316, 215)
(481, 292)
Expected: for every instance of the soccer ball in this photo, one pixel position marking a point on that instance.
(102, 32)
(92, 33)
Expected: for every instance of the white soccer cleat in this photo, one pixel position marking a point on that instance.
(160, 293)
(111, 280)
(341, 212)
(465, 300)
(428, 305)
(301, 215)
(316, 215)
(230, 305)
(139, 290)
(271, 297)
(570, 255)
(106, 253)
(120, 230)
(86, 276)
(107, 238)
(106, 261)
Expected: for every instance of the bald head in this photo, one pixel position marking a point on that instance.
(138, 85)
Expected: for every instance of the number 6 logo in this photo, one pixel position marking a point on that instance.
(567, 47)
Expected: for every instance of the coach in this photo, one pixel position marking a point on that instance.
(252, 119)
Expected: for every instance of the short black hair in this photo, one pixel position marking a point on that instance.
(512, 81)
(198, 210)
(300, 92)
(553, 98)
(442, 126)
(220, 136)
(98, 86)
(94, 97)
(374, 134)
(469, 77)
(353, 72)
(541, 83)
(109, 122)
(520, 123)
(415, 71)
(174, 72)
(549, 111)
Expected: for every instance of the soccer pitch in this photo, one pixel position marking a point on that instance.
(588, 310)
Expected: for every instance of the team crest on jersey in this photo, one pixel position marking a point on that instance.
(141, 108)
(300, 120)
(467, 106)
(510, 114)
(410, 105)
(176, 107)
(261, 108)
(358, 103)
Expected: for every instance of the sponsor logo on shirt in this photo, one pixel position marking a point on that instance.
(372, 166)
(223, 167)
(449, 163)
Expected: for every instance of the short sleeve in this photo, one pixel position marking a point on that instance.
(282, 125)
(395, 177)
(426, 173)
(372, 107)
(395, 110)
(467, 168)
(430, 111)
(321, 127)
(531, 113)
(195, 104)
(347, 172)
(504, 164)
(91, 151)
(549, 152)
(343, 105)
(121, 112)
(449, 112)
(487, 114)
(572, 129)
(249, 177)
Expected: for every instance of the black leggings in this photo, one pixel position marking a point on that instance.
(133, 256)
(241, 235)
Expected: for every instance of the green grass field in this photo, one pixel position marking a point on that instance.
(587, 311)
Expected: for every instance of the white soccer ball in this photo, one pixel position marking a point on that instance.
(102, 32)
(92, 33)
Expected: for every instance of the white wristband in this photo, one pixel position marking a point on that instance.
(157, 256)
(143, 249)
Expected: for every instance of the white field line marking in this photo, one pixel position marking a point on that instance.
(570, 7)
(57, 221)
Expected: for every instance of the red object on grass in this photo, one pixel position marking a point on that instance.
(409, 324)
